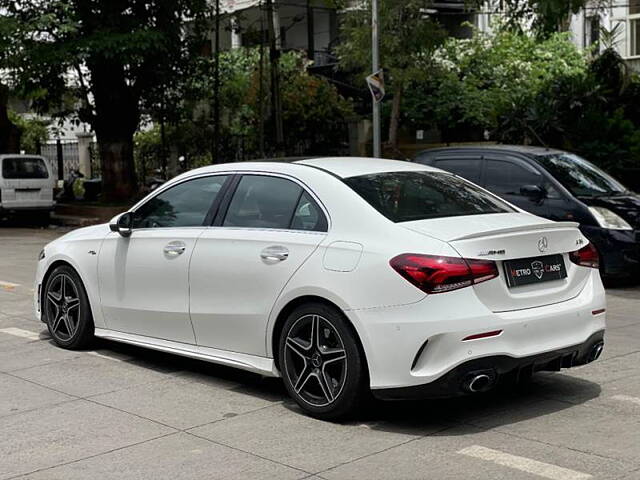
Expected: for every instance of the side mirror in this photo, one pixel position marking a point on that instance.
(123, 224)
(533, 192)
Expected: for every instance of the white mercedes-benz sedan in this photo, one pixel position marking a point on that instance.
(344, 276)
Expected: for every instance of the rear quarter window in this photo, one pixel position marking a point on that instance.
(409, 196)
(24, 168)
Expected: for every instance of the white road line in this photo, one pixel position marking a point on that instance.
(19, 332)
(8, 285)
(108, 357)
(523, 464)
(627, 398)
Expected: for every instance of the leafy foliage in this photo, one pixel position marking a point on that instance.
(475, 81)
(33, 132)
(594, 113)
(315, 115)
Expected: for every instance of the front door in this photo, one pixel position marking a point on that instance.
(144, 279)
(240, 266)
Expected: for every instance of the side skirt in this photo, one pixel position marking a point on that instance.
(252, 363)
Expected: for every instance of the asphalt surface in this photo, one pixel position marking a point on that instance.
(123, 412)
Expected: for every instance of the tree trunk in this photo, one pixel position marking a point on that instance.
(395, 116)
(115, 123)
(9, 132)
(118, 177)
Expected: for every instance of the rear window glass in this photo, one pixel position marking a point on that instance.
(408, 196)
(21, 167)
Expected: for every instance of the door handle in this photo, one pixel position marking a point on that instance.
(174, 249)
(274, 254)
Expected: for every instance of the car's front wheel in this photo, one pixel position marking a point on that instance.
(65, 306)
(321, 363)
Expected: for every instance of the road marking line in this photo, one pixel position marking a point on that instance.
(19, 332)
(8, 285)
(627, 398)
(107, 357)
(523, 464)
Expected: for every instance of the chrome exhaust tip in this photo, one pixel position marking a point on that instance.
(478, 382)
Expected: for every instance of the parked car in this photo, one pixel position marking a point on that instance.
(556, 185)
(26, 186)
(340, 275)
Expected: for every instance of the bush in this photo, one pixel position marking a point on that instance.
(476, 81)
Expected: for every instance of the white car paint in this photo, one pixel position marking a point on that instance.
(221, 300)
(18, 193)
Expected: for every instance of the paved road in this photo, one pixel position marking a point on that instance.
(126, 413)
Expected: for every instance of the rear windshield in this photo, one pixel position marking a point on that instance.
(24, 167)
(408, 196)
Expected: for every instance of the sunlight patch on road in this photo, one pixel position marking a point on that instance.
(523, 464)
(19, 332)
(8, 285)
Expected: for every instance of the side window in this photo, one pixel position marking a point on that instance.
(308, 216)
(506, 177)
(468, 168)
(263, 202)
(185, 205)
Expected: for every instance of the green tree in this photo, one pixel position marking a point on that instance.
(115, 57)
(475, 81)
(408, 37)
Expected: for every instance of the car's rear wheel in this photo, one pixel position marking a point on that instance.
(321, 363)
(66, 309)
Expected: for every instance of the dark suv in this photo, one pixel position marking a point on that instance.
(556, 185)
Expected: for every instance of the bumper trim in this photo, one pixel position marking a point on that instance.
(503, 367)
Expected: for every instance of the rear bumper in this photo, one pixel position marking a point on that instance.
(498, 369)
(417, 344)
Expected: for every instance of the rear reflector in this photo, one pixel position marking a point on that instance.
(435, 274)
(599, 311)
(586, 257)
(477, 336)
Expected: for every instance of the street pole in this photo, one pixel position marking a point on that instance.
(376, 67)
(274, 55)
(216, 90)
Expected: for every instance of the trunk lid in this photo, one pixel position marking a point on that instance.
(509, 236)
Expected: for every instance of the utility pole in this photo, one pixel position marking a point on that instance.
(274, 55)
(377, 151)
(216, 89)
(311, 41)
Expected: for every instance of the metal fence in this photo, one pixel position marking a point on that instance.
(70, 157)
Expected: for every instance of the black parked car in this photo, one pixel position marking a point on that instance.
(556, 185)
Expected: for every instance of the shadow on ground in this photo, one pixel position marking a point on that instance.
(507, 404)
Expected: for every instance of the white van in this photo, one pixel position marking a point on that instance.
(26, 185)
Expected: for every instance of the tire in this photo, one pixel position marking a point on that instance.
(334, 356)
(66, 309)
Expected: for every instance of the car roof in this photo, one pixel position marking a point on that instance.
(525, 149)
(341, 167)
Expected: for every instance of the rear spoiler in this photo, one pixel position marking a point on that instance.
(520, 228)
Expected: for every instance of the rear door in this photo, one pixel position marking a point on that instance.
(505, 176)
(269, 227)
(27, 182)
(468, 167)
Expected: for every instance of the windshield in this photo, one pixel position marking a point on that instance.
(580, 177)
(408, 196)
(24, 168)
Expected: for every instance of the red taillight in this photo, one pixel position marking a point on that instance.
(434, 274)
(586, 257)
